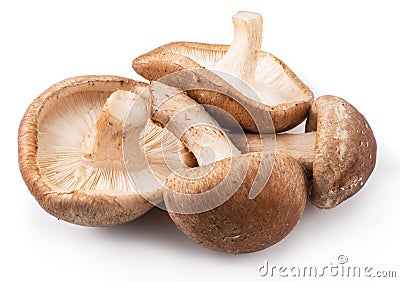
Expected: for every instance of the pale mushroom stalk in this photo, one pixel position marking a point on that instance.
(298, 146)
(190, 122)
(104, 146)
(241, 58)
(122, 123)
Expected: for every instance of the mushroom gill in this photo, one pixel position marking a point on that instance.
(63, 157)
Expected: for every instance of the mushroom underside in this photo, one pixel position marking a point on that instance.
(62, 132)
(276, 85)
(276, 89)
(67, 183)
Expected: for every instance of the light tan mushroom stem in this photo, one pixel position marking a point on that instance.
(298, 146)
(241, 58)
(190, 122)
(104, 147)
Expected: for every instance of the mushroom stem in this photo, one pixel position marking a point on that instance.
(104, 147)
(298, 146)
(190, 122)
(241, 58)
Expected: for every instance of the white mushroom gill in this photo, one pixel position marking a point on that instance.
(80, 144)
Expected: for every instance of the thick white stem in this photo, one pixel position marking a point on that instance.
(298, 146)
(241, 58)
(104, 146)
(190, 122)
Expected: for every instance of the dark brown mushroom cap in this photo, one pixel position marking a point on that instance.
(179, 56)
(240, 224)
(345, 151)
(85, 206)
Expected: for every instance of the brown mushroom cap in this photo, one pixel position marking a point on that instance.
(288, 107)
(231, 202)
(241, 224)
(50, 146)
(338, 151)
(345, 151)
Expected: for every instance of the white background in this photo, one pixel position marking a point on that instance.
(345, 48)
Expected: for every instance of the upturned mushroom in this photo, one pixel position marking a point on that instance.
(273, 86)
(232, 203)
(71, 155)
(339, 150)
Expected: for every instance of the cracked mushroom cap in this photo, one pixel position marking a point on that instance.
(345, 151)
(56, 166)
(242, 223)
(279, 90)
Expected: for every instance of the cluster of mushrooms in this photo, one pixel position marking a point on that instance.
(200, 140)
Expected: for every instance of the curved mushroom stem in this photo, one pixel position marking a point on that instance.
(298, 146)
(241, 58)
(190, 122)
(104, 146)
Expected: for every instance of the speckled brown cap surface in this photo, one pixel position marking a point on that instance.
(345, 151)
(240, 224)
